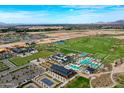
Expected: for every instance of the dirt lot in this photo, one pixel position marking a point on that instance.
(67, 35)
(119, 37)
(86, 33)
(56, 36)
(119, 69)
(102, 81)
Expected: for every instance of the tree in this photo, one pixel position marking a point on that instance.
(27, 44)
(33, 44)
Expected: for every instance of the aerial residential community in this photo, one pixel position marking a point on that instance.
(62, 55)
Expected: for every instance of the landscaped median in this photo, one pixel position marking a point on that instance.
(19, 61)
(3, 67)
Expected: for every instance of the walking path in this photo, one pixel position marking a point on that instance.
(111, 75)
(112, 72)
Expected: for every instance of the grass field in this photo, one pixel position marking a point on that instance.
(78, 82)
(105, 48)
(120, 82)
(19, 61)
(53, 48)
(3, 66)
(102, 47)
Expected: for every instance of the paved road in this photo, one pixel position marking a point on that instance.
(21, 76)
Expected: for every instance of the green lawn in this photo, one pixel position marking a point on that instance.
(105, 48)
(78, 82)
(19, 61)
(119, 86)
(120, 83)
(3, 66)
(51, 47)
(102, 47)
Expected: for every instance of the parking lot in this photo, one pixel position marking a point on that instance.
(20, 76)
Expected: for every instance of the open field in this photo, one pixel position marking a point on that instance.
(119, 37)
(18, 61)
(3, 66)
(102, 46)
(78, 82)
(119, 78)
(103, 81)
(118, 75)
(105, 48)
(63, 35)
(119, 69)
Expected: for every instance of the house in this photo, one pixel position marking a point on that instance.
(17, 50)
(61, 58)
(4, 53)
(23, 50)
(89, 70)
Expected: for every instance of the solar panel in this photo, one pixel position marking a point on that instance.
(47, 81)
(61, 70)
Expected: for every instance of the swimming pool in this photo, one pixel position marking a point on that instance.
(83, 54)
(74, 67)
(86, 61)
(90, 62)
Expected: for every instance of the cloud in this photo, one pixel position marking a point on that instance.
(66, 14)
(91, 16)
(93, 6)
(22, 16)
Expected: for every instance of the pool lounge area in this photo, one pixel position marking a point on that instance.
(90, 62)
(74, 67)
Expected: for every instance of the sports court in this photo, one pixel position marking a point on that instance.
(45, 81)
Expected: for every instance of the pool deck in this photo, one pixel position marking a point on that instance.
(74, 67)
(90, 62)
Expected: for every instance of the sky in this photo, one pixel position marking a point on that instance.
(60, 14)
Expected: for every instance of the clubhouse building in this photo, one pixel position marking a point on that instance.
(60, 73)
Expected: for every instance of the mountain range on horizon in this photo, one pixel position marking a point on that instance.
(114, 22)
